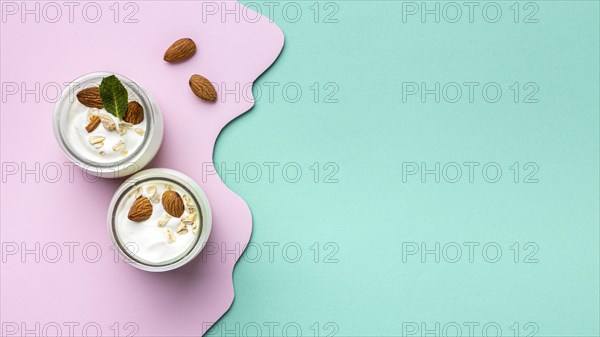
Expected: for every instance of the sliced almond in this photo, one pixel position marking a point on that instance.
(101, 153)
(108, 123)
(181, 228)
(195, 228)
(139, 131)
(138, 193)
(189, 219)
(124, 153)
(164, 220)
(99, 145)
(190, 206)
(123, 127)
(91, 113)
(152, 192)
(96, 139)
(169, 235)
(118, 146)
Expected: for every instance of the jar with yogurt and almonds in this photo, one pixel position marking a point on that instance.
(99, 142)
(159, 219)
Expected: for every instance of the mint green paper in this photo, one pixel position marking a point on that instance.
(542, 212)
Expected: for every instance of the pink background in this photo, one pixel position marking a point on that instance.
(107, 293)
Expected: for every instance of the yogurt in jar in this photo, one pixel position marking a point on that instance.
(101, 143)
(162, 236)
(159, 219)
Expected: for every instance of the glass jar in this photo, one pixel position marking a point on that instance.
(144, 243)
(140, 142)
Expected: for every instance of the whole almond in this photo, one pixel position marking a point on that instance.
(202, 88)
(135, 113)
(93, 124)
(90, 97)
(141, 210)
(180, 50)
(173, 203)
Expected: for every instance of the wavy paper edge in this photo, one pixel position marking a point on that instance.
(233, 193)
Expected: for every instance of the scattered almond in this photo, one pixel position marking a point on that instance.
(180, 50)
(195, 228)
(101, 153)
(139, 131)
(90, 97)
(134, 114)
(172, 203)
(202, 88)
(141, 210)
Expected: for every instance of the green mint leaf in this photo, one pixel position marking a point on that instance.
(114, 96)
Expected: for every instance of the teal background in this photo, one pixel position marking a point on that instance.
(359, 284)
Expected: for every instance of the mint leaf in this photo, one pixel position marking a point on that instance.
(114, 96)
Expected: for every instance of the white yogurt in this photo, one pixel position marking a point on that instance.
(79, 138)
(147, 240)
